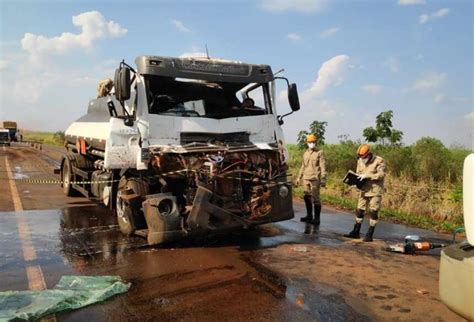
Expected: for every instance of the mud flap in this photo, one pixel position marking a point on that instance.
(207, 217)
(163, 218)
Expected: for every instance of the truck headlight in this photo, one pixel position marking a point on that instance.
(283, 191)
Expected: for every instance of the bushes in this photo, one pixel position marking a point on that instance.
(424, 180)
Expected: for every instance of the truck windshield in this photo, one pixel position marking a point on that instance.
(197, 98)
(4, 136)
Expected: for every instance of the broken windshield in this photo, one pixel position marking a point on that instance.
(197, 98)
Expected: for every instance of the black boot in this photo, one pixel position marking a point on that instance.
(309, 209)
(317, 214)
(355, 233)
(370, 233)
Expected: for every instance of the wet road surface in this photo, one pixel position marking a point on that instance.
(281, 272)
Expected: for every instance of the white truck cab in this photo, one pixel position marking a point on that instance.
(4, 136)
(184, 146)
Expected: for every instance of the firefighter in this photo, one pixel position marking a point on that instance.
(312, 176)
(104, 88)
(370, 170)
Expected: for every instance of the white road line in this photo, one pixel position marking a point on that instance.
(36, 281)
(17, 205)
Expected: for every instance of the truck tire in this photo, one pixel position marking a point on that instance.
(129, 214)
(67, 177)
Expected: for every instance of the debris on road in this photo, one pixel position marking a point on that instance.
(412, 245)
(300, 249)
(72, 292)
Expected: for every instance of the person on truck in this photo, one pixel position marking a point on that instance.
(371, 171)
(313, 176)
(104, 88)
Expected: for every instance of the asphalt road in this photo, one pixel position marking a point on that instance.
(287, 271)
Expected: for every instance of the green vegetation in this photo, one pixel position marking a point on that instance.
(317, 128)
(383, 130)
(423, 183)
(50, 138)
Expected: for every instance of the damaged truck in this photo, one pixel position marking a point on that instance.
(183, 147)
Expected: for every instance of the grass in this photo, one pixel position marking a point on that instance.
(56, 139)
(393, 215)
(424, 204)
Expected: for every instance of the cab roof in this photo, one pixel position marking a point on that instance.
(212, 69)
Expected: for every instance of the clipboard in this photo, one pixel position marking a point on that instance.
(352, 179)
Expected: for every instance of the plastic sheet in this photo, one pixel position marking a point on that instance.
(72, 292)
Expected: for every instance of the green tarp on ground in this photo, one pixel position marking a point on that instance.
(72, 292)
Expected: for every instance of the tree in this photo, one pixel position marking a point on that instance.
(301, 140)
(431, 158)
(383, 130)
(319, 129)
(370, 134)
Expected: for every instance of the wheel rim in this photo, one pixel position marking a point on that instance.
(66, 176)
(120, 209)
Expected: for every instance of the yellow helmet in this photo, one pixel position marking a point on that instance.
(363, 150)
(311, 138)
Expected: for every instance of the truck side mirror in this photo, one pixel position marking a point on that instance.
(122, 83)
(293, 97)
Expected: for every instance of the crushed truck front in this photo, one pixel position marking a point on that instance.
(197, 145)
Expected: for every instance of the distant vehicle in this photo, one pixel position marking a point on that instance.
(18, 136)
(12, 128)
(185, 155)
(456, 271)
(4, 137)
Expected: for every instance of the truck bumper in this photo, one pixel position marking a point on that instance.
(165, 224)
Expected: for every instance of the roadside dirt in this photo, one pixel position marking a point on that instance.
(382, 285)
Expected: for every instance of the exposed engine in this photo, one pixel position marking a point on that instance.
(238, 181)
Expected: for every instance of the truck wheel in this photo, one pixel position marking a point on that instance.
(129, 214)
(66, 178)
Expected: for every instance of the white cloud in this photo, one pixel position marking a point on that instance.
(34, 75)
(442, 98)
(372, 88)
(300, 6)
(331, 73)
(419, 57)
(428, 82)
(468, 100)
(329, 32)
(439, 98)
(424, 18)
(93, 26)
(470, 116)
(393, 64)
(294, 36)
(3, 64)
(410, 2)
(180, 25)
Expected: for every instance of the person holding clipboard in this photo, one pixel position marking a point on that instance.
(369, 179)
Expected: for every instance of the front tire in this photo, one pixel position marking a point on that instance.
(129, 214)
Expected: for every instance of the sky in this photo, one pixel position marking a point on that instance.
(351, 59)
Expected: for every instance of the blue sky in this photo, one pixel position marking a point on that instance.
(350, 59)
